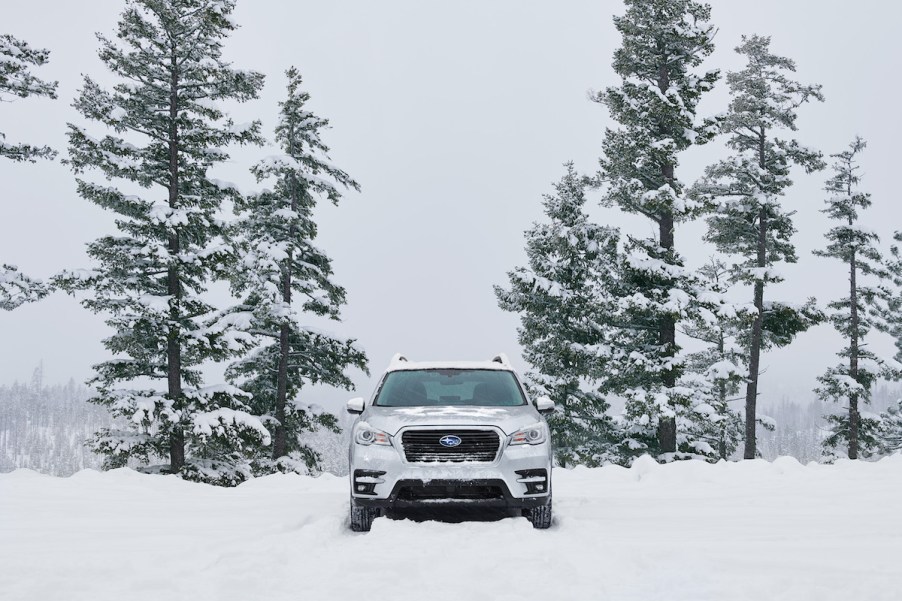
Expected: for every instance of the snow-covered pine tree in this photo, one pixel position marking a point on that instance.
(852, 315)
(888, 432)
(283, 279)
(664, 41)
(716, 372)
(17, 59)
(750, 220)
(891, 311)
(565, 298)
(16, 288)
(164, 131)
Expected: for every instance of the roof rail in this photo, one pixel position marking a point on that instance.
(502, 359)
(398, 358)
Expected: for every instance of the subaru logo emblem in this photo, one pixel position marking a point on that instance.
(449, 441)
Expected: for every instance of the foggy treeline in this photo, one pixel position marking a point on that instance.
(44, 428)
(800, 426)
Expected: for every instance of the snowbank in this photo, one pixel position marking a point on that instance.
(752, 530)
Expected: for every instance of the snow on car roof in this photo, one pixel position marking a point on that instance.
(400, 363)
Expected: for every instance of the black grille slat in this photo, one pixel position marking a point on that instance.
(462, 492)
(422, 446)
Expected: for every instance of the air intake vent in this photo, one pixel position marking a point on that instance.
(425, 446)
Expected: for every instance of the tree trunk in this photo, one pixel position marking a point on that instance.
(280, 446)
(751, 391)
(722, 397)
(173, 346)
(667, 433)
(854, 417)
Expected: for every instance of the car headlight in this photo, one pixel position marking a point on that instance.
(535, 434)
(367, 435)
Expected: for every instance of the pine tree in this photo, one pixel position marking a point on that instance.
(750, 220)
(717, 372)
(888, 432)
(16, 81)
(890, 312)
(853, 315)
(16, 288)
(664, 41)
(565, 298)
(164, 131)
(284, 278)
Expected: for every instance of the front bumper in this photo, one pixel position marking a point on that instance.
(519, 477)
(454, 493)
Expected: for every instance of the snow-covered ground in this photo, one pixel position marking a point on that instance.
(750, 530)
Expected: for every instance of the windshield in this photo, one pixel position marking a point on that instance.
(436, 387)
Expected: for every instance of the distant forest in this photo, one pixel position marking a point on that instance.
(801, 428)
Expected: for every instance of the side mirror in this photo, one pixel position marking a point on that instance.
(544, 405)
(356, 405)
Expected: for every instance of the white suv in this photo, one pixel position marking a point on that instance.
(450, 433)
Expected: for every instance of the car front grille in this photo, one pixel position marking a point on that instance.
(423, 446)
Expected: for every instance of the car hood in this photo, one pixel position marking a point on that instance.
(508, 419)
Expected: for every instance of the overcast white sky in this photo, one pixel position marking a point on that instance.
(455, 118)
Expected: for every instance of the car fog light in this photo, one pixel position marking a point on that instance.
(535, 481)
(365, 481)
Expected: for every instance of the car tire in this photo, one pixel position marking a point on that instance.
(540, 516)
(362, 518)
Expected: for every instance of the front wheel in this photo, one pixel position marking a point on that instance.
(362, 518)
(540, 516)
